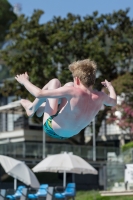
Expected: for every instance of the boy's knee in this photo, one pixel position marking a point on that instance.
(56, 82)
(69, 84)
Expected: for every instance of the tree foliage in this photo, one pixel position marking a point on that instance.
(124, 88)
(127, 146)
(7, 17)
(46, 50)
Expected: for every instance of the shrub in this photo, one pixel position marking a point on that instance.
(127, 146)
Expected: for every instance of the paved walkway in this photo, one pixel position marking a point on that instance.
(121, 193)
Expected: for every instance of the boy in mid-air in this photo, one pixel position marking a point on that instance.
(79, 103)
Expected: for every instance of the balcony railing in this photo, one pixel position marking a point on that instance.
(35, 150)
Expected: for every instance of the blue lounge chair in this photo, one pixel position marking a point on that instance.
(70, 191)
(42, 192)
(17, 194)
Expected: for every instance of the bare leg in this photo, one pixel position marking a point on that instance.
(31, 108)
(41, 110)
(62, 102)
(51, 107)
(38, 105)
(28, 105)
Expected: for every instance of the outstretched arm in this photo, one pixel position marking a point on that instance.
(38, 93)
(110, 100)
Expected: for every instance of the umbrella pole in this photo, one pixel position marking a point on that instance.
(64, 179)
(15, 183)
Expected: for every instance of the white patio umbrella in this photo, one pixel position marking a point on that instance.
(65, 163)
(19, 170)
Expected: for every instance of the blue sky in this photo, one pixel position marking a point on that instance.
(81, 7)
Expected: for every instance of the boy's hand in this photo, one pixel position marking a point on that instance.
(106, 84)
(22, 78)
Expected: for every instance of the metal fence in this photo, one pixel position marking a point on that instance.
(115, 170)
(127, 156)
(35, 150)
(115, 175)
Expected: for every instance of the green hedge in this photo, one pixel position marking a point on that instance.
(127, 146)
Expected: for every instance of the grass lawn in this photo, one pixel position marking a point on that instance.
(94, 195)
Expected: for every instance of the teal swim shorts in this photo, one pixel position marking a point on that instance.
(47, 127)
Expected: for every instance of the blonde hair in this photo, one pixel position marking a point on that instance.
(85, 70)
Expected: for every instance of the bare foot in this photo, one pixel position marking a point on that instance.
(27, 106)
(40, 110)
